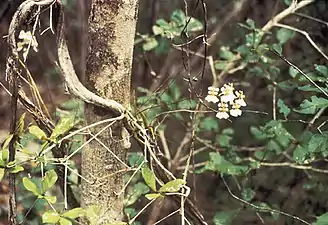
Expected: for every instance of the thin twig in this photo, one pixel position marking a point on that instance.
(306, 34)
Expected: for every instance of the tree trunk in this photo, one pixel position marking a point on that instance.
(108, 73)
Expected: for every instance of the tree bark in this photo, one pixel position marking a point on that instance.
(112, 27)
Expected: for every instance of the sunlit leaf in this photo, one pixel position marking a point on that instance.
(16, 169)
(194, 25)
(179, 17)
(37, 132)
(4, 156)
(153, 196)
(64, 221)
(74, 213)
(63, 126)
(2, 173)
(50, 217)
(50, 199)
(149, 177)
(92, 213)
(31, 186)
(172, 186)
(48, 180)
(150, 44)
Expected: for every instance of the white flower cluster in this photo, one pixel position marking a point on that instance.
(229, 100)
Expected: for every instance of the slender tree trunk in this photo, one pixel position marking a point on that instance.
(108, 73)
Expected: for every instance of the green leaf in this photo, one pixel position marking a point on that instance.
(2, 173)
(250, 24)
(283, 35)
(74, 213)
(310, 88)
(64, 221)
(323, 70)
(228, 131)
(150, 44)
(288, 2)
(311, 107)
(153, 196)
(277, 48)
(16, 169)
(63, 126)
(218, 163)
(248, 194)
(135, 192)
(224, 140)
(318, 143)
(283, 109)
(178, 17)
(226, 54)
(322, 220)
(163, 24)
(50, 217)
(135, 159)
(172, 186)
(31, 186)
(276, 130)
(221, 64)
(37, 132)
(300, 154)
(187, 104)
(48, 180)
(149, 177)
(209, 124)
(50, 199)
(293, 72)
(5, 156)
(194, 25)
(157, 30)
(225, 217)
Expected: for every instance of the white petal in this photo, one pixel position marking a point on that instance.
(211, 98)
(213, 89)
(235, 112)
(240, 102)
(222, 115)
(228, 98)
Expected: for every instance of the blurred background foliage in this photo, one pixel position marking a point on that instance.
(273, 156)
